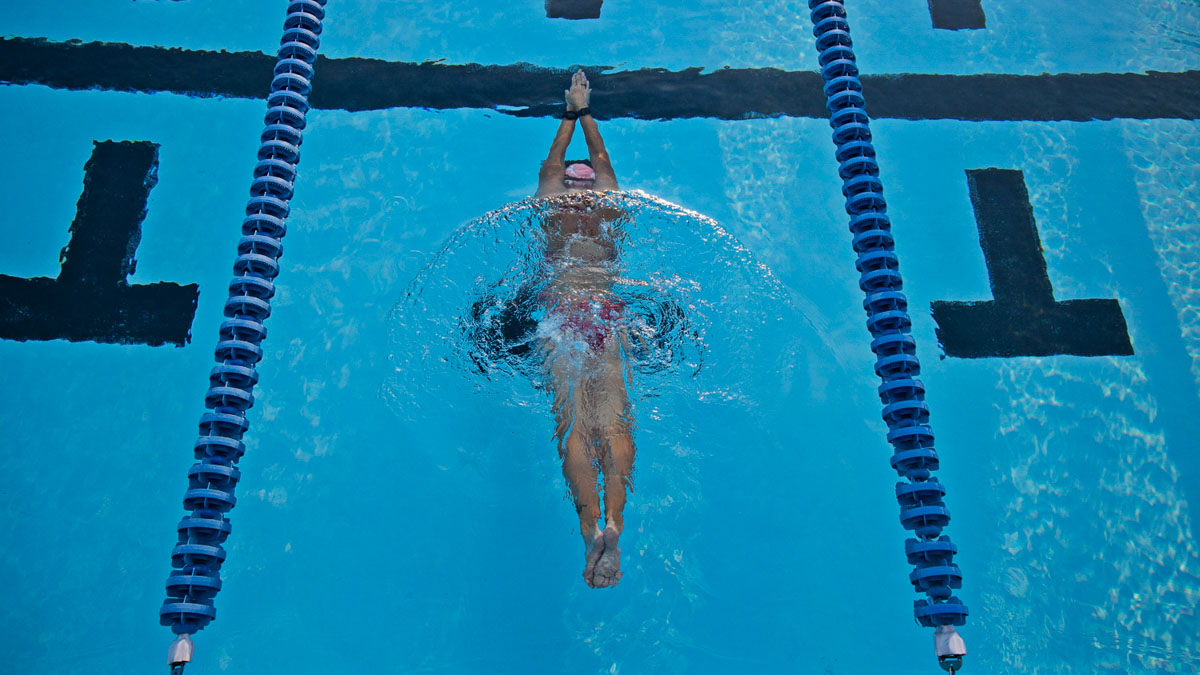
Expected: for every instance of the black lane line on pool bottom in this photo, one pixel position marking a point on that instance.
(522, 90)
(957, 14)
(1023, 319)
(573, 9)
(91, 300)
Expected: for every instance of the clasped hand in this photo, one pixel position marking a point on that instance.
(580, 93)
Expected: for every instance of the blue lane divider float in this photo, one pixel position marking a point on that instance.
(198, 556)
(922, 509)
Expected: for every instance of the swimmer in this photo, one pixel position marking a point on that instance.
(582, 337)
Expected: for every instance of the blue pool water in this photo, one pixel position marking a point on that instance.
(401, 514)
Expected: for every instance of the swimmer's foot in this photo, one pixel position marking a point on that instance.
(593, 549)
(603, 559)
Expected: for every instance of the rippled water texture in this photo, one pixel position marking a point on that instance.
(717, 358)
(696, 310)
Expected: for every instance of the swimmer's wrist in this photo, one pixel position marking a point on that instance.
(585, 111)
(571, 115)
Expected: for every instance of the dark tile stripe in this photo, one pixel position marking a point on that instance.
(108, 216)
(528, 91)
(573, 9)
(122, 67)
(957, 14)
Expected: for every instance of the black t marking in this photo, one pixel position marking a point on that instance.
(1023, 319)
(91, 300)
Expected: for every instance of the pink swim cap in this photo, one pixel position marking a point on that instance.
(580, 171)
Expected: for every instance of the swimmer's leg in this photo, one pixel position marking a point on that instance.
(618, 473)
(578, 458)
(617, 465)
(579, 468)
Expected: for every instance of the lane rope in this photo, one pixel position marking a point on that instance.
(197, 557)
(921, 496)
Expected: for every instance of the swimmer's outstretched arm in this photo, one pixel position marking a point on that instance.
(606, 178)
(550, 177)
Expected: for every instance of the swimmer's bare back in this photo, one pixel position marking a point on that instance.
(581, 227)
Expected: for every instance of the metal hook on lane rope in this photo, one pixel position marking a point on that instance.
(950, 648)
(180, 653)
